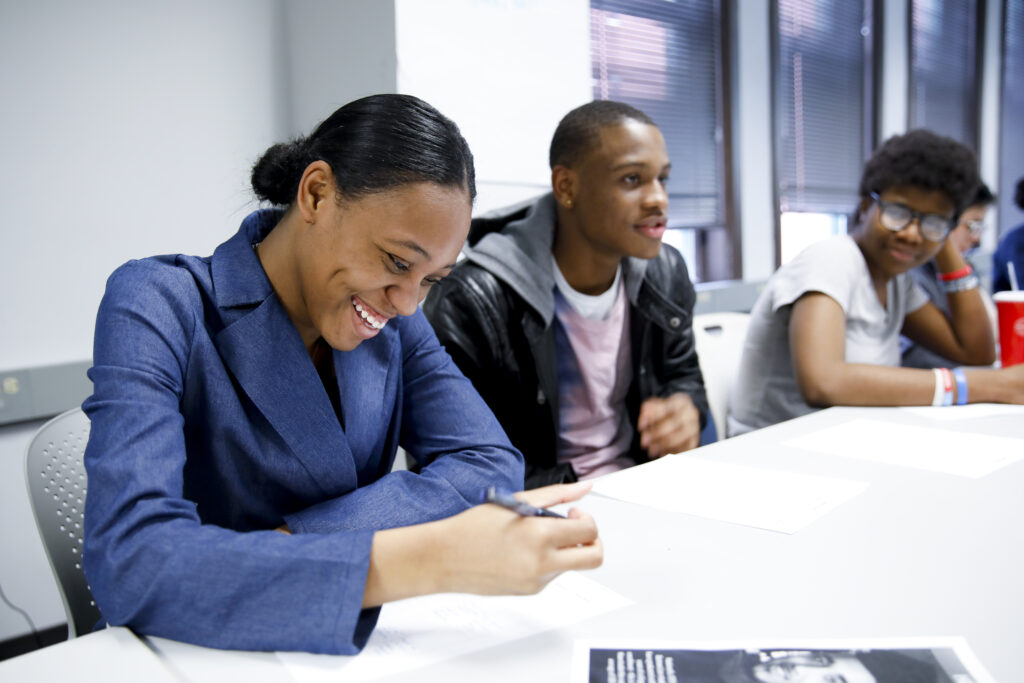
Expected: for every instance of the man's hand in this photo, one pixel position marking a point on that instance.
(668, 425)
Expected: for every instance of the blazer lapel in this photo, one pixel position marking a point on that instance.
(366, 386)
(265, 353)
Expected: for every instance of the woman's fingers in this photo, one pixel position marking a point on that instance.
(579, 529)
(555, 494)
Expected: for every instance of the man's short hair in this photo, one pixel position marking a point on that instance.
(579, 131)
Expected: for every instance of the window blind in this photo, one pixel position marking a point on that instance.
(819, 103)
(665, 59)
(944, 68)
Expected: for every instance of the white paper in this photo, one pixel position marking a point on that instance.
(420, 631)
(967, 412)
(752, 496)
(952, 655)
(928, 448)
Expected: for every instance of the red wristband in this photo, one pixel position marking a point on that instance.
(956, 274)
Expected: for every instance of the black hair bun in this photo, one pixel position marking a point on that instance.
(275, 177)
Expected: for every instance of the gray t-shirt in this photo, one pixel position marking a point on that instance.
(765, 391)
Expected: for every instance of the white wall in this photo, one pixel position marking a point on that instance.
(336, 51)
(506, 71)
(127, 129)
(895, 77)
(753, 140)
(25, 575)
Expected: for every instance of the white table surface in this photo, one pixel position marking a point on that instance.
(917, 554)
(112, 655)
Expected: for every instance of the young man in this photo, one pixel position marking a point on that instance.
(965, 236)
(571, 318)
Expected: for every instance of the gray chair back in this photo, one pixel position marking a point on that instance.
(56, 488)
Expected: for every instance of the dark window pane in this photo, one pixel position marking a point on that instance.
(943, 68)
(819, 101)
(664, 58)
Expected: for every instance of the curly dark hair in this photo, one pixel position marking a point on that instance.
(1019, 197)
(577, 132)
(982, 196)
(926, 160)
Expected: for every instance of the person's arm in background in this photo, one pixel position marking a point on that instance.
(817, 337)
(965, 336)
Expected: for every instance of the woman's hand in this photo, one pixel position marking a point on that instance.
(486, 550)
(1005, 385)
(496, 551)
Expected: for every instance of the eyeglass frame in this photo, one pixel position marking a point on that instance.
(975, 228)
(919, 216)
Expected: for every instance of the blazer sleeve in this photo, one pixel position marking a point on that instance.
(150, 562)
(448, 428)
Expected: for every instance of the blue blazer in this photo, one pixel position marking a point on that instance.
(211, 427)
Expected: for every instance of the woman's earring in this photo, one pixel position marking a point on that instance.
(568, 203)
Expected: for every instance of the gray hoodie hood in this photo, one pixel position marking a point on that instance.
(520, 255)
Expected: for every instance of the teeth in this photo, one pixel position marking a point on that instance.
(369, 319)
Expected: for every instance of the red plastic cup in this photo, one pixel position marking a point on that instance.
(1011, 326)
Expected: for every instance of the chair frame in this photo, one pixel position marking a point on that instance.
(56, 480)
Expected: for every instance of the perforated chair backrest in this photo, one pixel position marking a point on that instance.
(719, 339)
(56, 487)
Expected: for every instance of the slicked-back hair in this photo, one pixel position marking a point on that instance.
(372, 144)
(925, 160)
(579, 131)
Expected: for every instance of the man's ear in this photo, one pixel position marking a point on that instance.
(316, 185)
(862, 209)
(564, 185)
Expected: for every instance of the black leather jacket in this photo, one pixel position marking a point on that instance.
(494, 315)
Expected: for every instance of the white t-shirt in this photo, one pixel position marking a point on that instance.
(766, 391)
(594, 374)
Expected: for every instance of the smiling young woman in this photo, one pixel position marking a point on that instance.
(825, 331)
(267, 388)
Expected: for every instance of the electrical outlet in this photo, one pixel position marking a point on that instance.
(16, 396)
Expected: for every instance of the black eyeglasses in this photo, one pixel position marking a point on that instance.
(895, 216)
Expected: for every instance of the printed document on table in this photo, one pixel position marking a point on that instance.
(928, 448)
(752, 496)
(420, 631)
(872, 659)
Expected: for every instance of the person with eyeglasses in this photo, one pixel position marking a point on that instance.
(825, 330)
(965, 237)
(1010, 251)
